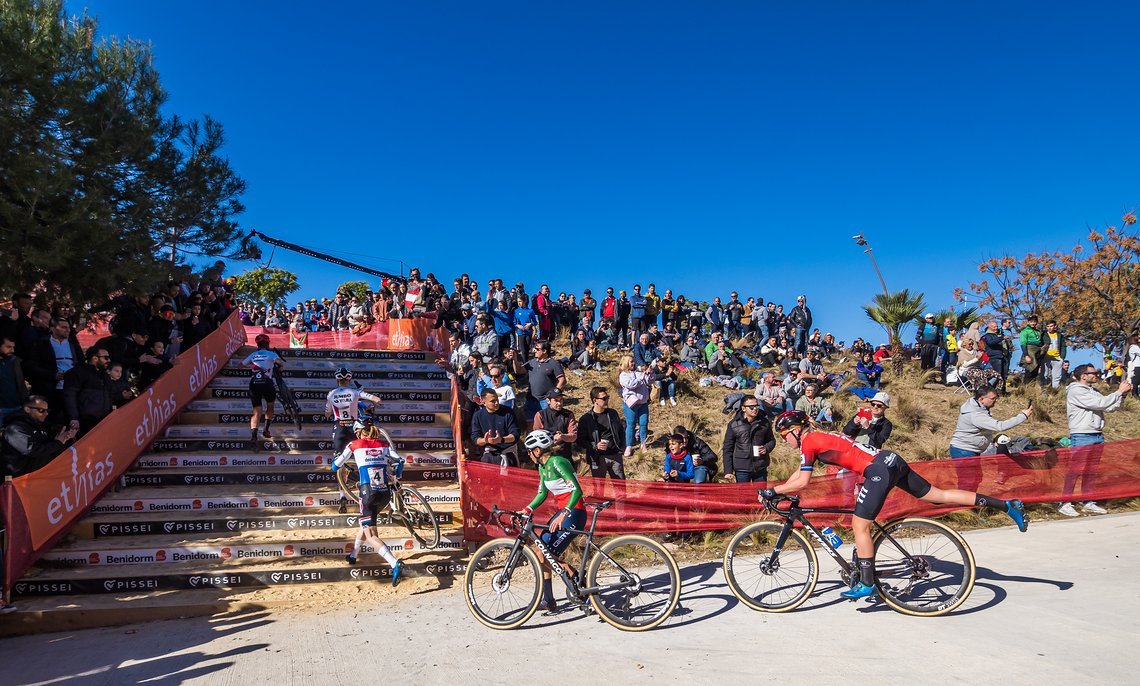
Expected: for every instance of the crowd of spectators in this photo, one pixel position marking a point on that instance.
(53, 392)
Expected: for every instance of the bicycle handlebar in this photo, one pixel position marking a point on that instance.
(773, 504)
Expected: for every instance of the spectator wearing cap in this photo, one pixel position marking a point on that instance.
(929, 338)
(800, 319)
(870, 425)
(559, 421)
(1085, 408)
(794, 386)
(976, 426)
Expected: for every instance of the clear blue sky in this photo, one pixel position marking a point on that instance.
(703, 146)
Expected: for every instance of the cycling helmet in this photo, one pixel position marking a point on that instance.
(343, 373)
(790, 420)
(540, 438)
(262, 340)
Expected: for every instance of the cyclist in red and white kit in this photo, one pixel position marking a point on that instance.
(373, 457)
(882, 470)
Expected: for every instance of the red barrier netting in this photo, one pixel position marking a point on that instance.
(1098, 472)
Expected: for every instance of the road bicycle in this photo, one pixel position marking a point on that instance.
(409, 507)
(922, 566)
(631, 581)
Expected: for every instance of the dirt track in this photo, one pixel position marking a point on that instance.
(1057, 605)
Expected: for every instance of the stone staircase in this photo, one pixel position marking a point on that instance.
(203, 522)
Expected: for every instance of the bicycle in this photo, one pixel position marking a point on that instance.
(290, 409)
(409, 506)
(922, 567)
(631, 581)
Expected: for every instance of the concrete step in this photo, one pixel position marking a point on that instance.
(284, 430)
(300, 445)
(214, 460)
(314, 407)
(338, 354)
(226, 551)
(391, 384)
(355, 366)
(200, 524)
(241, 392)
(389, 418)
(281, 475)
(235, 500)
(365, 378)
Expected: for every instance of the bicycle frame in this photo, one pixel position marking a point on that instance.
(527, 536)
(795, 513)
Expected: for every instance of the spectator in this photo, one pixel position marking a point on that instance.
(13, 390)
(883, 353)
(800, 319)
(769, 352)
(644, 352)
(973, 434)
(704, 459)
(486, 343)
(815, 406)
(494, 429)
(587, 309)
(670, 337)
(1031, 348)
(50, 359)
(722, 362)
(773, 399)
(868, 371)
(38, 330)
(544, 312)
(1132, 357)
(1053, 351)
(949, 345)
(607, 335)
(929, 339)
(526, 325)
(714, 315)
(637, 311)
(871, 426)
(748, 444)
(609, 305)
(600, 432)
(87, 391)
(970, 366)
(734, 315)
(635, 402)
(119, 386)
(544, 373)
(664, 379)
(691, 353)
(678, 463)
(996, 348)
(794, 386)
(761, 318)
(559, 421)
(652, 305)
(196, 327)
(624, 308)
(26, 445)
(125, 349)
(669, 312)
(152, 364)
(498, 382)
(588, 358)
(1085, 408)
(811, 369)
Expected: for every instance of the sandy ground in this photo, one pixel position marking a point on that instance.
(1058, 605)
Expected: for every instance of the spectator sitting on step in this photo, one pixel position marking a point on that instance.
(26, 445)
(815, 406)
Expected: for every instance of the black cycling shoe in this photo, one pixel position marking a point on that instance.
(343, 506)
(548, 607)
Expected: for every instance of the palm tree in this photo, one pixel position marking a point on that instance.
(894, 311)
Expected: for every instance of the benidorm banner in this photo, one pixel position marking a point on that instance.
(1098, 472)
(41, 507)
(394, 334)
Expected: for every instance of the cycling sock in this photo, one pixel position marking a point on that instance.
(253, 434)
(386, 554)
(356, 546)
(268, 421)
(867, 571)
(989, 501)
(547, 591)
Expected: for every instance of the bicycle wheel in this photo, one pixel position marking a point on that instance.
(638, 581)
(923, 567)
(503, 589)
(348, 477)
(418, 516)
(765, 583)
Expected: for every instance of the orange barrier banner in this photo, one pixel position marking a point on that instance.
(394, 334)
(42, 506)
(1097, 472)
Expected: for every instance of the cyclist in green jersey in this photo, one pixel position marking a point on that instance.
(555, 476)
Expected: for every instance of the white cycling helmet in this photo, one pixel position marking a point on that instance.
(343, 373)
(541, 439)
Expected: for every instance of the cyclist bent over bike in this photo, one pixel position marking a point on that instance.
(882, 470)
(263, 361)
(555, 475)
(343, 405)
(372, 456)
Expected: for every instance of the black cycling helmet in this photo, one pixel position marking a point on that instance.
(790, 420)
(343, 373)
(262, 340)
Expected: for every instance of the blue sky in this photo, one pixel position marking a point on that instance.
(703, 146)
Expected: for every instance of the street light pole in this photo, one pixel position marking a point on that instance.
(862, 242)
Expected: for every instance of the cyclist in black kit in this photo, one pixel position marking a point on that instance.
(262, 361)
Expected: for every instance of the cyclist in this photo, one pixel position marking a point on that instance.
(883, 470)
(343, 405)
(263, 362)
(373, 456)
(555, 475)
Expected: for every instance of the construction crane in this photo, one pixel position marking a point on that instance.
(327, 258)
